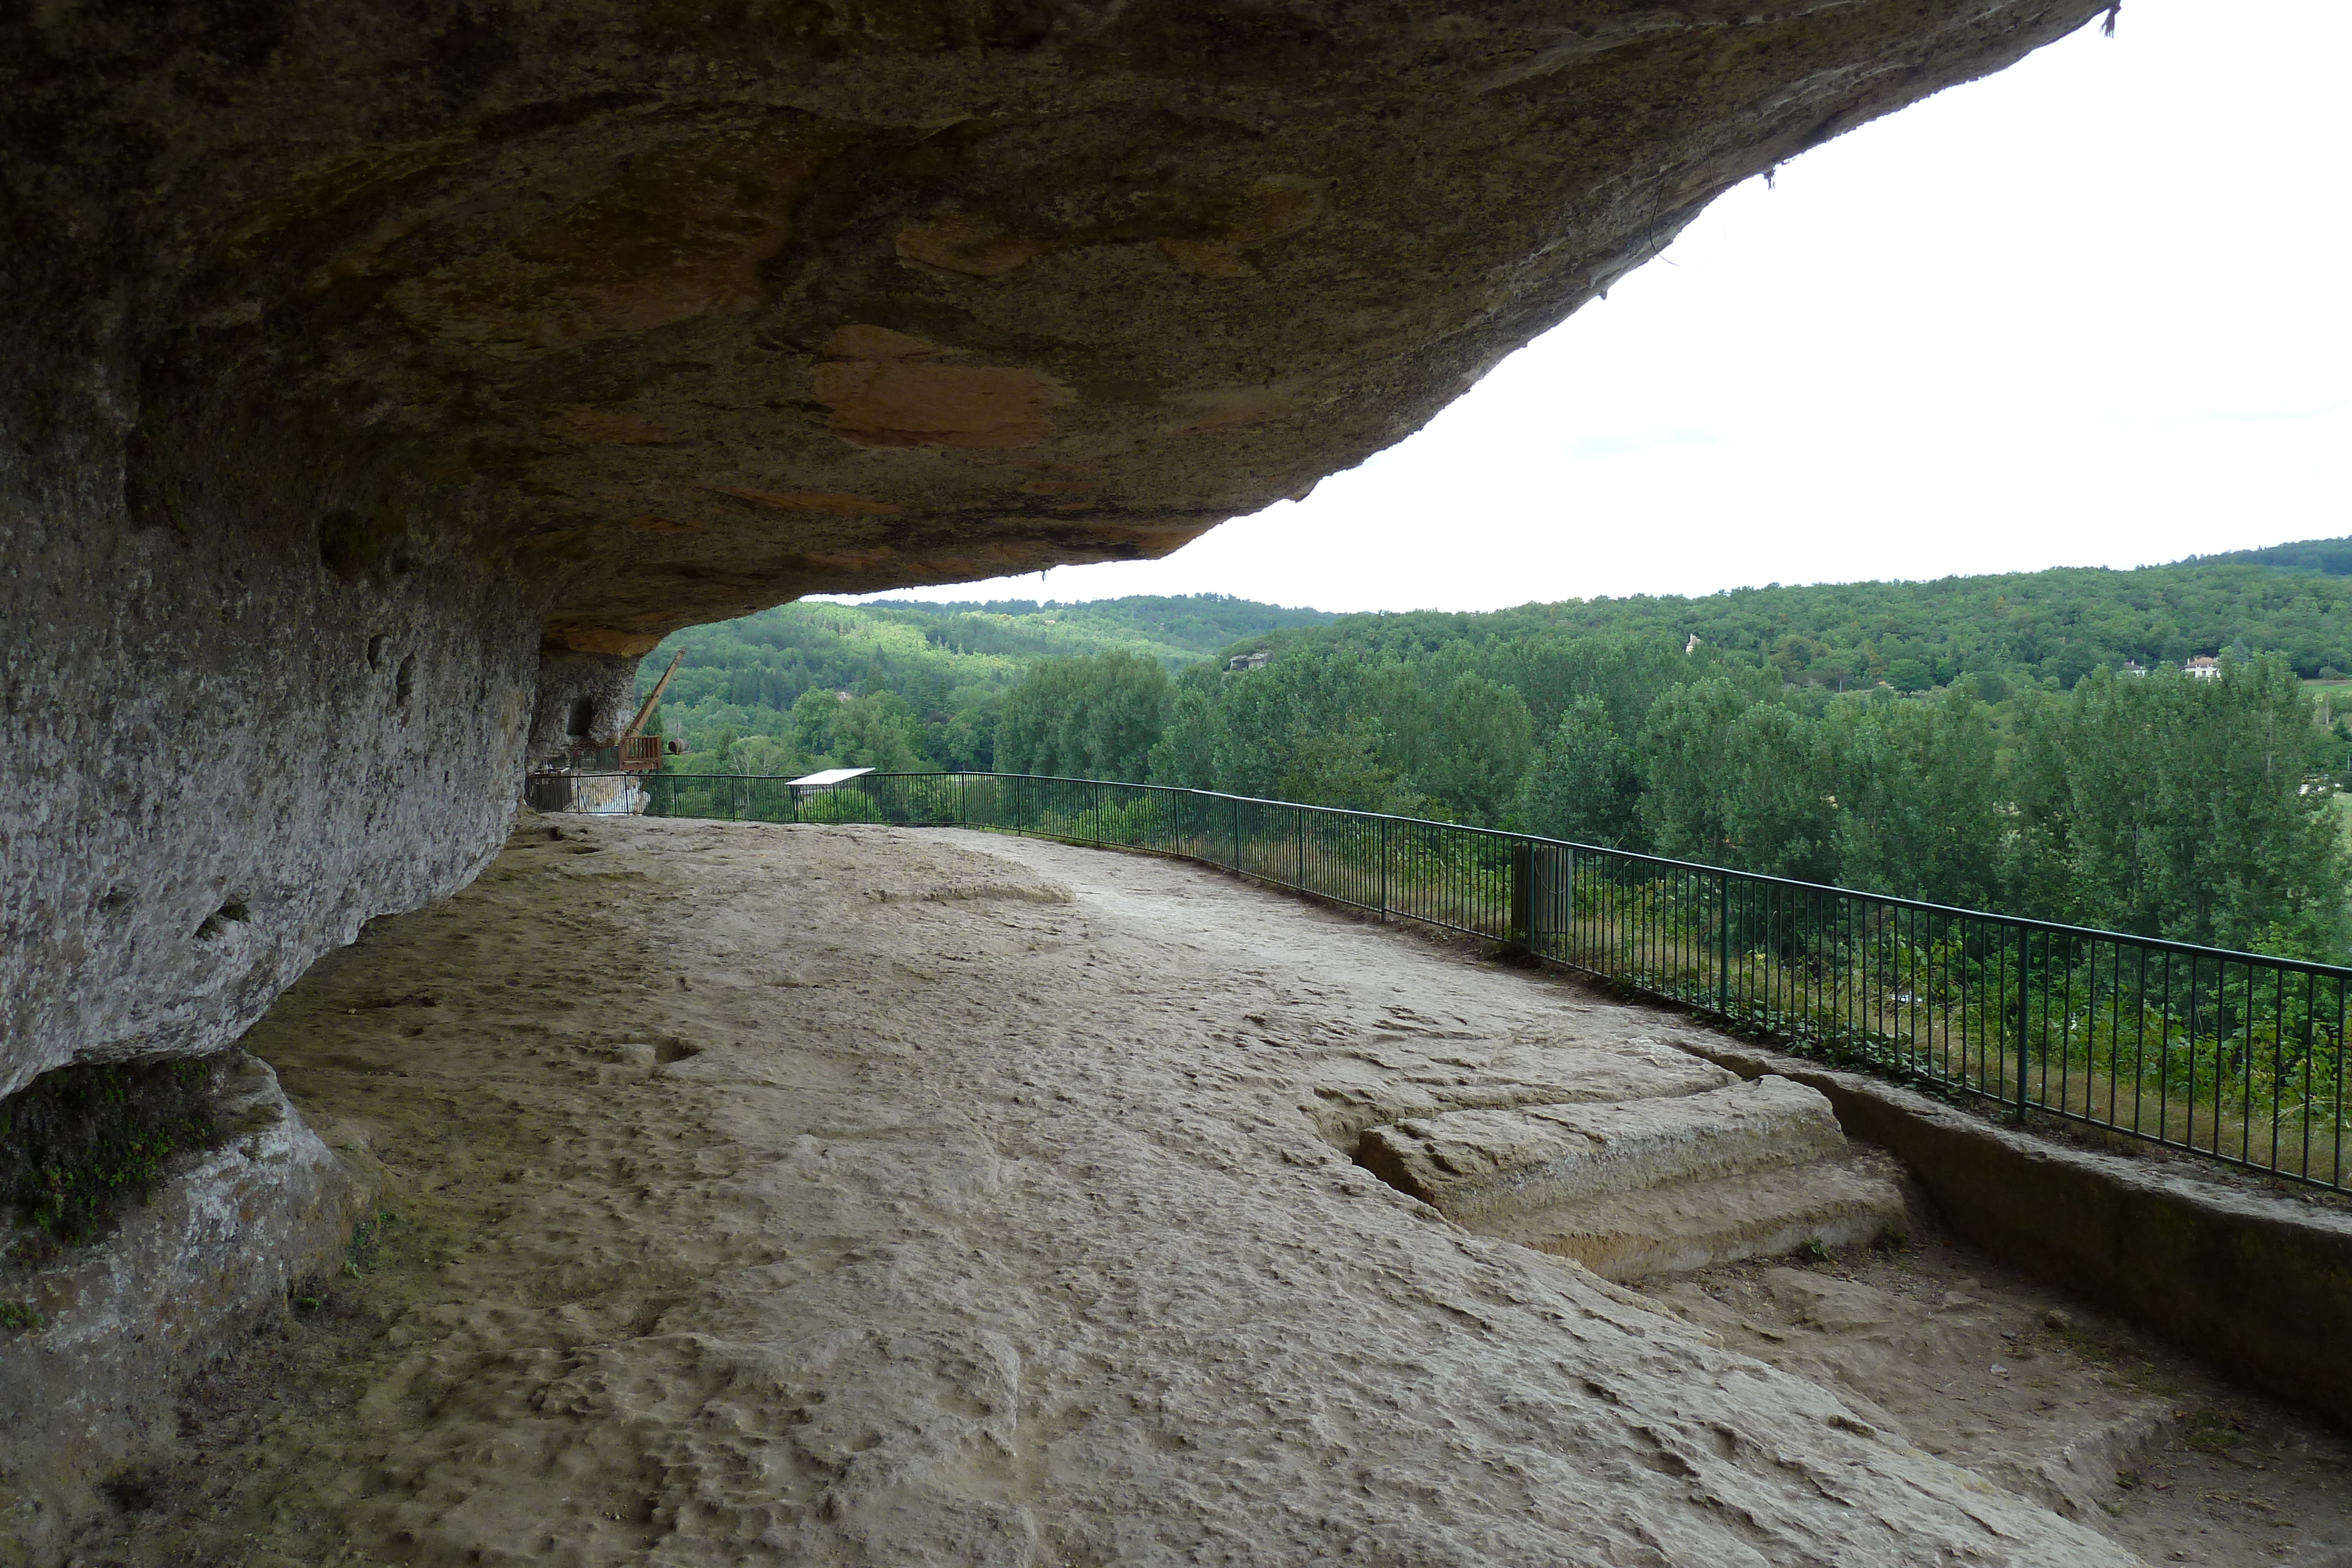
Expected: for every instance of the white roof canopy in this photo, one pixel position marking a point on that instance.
(830, 776)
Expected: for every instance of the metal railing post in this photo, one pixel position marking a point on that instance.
(1723, 945)
(1384, 868)
(1237, 833)
(2024, 979)
(1522, 892)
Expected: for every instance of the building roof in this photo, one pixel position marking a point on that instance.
(829, 776)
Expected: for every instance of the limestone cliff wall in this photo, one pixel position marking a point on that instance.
(360, 354)
(223, 755)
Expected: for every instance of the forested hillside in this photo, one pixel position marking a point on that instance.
(2332, 557)
(2197, 809)
(949, 665)
(923, 680)
(2051, 628)
(1939, 740)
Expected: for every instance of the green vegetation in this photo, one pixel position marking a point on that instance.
(1433, 735)
(951, 664)
(2163, 804)
(78, 1141)
(1990, 742)
(2331, 557)
(1092, 716)
(367, 1239)
(909, 686)
(2045, 627)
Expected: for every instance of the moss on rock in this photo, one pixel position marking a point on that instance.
(78, 1141)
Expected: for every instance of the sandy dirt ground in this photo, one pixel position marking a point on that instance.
(761, 1194)
(1980, 1366)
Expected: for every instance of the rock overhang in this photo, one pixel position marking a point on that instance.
(384, 379)
(689, 311)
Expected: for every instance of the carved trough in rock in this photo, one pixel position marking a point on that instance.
(1649, 1186)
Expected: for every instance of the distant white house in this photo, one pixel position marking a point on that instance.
(1256, 660)
(2133, 667)
(2204, 667)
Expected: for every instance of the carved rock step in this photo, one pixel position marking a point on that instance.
(1692, 1225)
(1480, 1167)
(1375, 1084)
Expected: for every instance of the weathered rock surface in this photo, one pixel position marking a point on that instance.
(1474, 1165)
(766, 1195)
(360, 354)
(1845, 1202)
(1644, 1183)
(1436, 1068)
(126, 1320)
(1982, 1365)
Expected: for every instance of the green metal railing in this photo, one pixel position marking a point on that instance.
(2237, 1057)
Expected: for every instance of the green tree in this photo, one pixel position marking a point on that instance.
(2175, 807)
(1681, 754)
(1919, 800)
(1583, 786)
(1777, 812)
(762, 756)
(879, 731)
(1460, 741)
(966, 743)
(1095, 716)
(1187, 751)
(1341, 768)
(814, 717)
(1734, 783)
(1909, 676)
(1301, 728)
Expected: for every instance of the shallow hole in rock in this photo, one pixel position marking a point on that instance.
(375, 647)
(347, 545)
(137, 1491)
(404, 681)
(212, 925)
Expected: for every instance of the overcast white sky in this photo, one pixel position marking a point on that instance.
(2094, 311)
